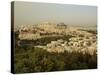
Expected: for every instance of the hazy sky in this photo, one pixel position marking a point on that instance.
(33, 13)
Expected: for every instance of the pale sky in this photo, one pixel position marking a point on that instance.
(32, 13)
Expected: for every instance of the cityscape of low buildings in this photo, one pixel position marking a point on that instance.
(80, 41)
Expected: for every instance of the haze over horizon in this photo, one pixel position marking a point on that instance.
(30, 13)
